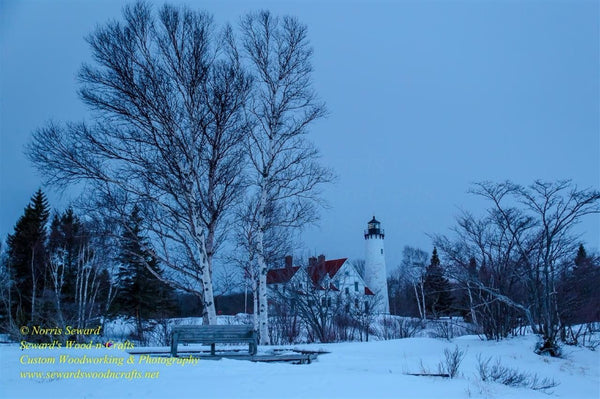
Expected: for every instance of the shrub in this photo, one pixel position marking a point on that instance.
(496, 372)
(451, 362)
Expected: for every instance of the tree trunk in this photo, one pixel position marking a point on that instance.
(418, 298)
(471, 308)
(209, 315)
(263, 311)
(255, 303)
(422, 286)
(34, 285)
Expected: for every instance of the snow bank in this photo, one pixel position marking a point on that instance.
(351, 370)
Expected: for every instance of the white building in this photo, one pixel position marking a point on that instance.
(331, 277)
(375, 272)
(328, 277)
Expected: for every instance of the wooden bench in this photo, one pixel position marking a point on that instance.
(211, 335)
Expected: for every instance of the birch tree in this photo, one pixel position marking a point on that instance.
(414, 264)
(277, 243)
(286, 173)
(167, 95)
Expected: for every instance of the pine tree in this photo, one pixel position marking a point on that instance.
(578, 294)
(438, 300)
(27, 260)
(581, 260)
(141, 294)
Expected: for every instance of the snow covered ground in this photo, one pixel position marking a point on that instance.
(351, 370)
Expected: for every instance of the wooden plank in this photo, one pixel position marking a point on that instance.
(430, 375)
(301, 358)
(210, 335)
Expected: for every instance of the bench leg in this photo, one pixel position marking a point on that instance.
(212, 349)
(174, 348)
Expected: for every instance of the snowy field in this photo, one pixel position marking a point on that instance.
(351, 370)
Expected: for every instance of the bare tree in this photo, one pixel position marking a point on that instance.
(520, 247)
(414, 265)
(6, 286)
(168, 95)
(285, 169)
(557, 207)
(57, 270)
(318, 307)
(87, 264)
(277, 243)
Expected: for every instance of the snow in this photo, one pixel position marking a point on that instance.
(350, 370)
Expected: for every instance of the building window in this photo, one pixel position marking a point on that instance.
(366, 307)
(329, 302)
(347, 290)
(382, 251)
(323, 303)
(356, 302)
(356, 286)
(347, 307)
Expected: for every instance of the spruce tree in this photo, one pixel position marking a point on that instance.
(438, 300)
(141, 294)
(581, 259)
(27, 260)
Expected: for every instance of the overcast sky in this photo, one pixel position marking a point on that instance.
(424, 98)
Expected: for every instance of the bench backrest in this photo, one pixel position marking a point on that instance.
(199, 333)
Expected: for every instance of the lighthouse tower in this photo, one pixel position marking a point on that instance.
(375, 273)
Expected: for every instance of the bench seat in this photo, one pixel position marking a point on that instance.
(211, 335)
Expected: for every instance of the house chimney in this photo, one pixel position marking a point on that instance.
(312, 261)
(321, 260)
(288, 261)
(321, 271)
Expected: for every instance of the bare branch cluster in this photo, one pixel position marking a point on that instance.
(510, 261)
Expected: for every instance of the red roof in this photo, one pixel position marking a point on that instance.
(329, 267)
(281, 276)
(316, 272)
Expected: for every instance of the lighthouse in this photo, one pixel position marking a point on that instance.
(375, 273)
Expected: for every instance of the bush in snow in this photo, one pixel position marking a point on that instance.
(496, 372)
(451, 362)
(393, 327)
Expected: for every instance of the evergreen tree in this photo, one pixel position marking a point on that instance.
(27, 260)
(141, 294)
(578, 291)
(438, 300)
(581, 259)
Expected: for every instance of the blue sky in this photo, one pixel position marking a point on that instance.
(424, 98)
